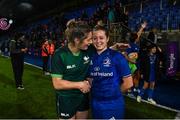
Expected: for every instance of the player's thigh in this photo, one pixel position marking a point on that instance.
(66, 106)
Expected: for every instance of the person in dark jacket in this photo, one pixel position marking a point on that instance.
(150, 68)
(17, 50)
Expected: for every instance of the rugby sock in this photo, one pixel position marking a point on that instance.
(141, 92)
(150, 93)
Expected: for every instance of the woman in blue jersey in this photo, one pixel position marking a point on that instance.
(109, 75)
(150, 68)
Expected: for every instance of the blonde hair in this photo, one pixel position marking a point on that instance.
(76, 29)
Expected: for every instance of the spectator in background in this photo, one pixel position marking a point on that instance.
(17, 50)
(124, 20)
(45, 56)
(51, 52)
(3, 47)
(153, 35)
(150, 70)
(132, 54)
(111, 15)
(84, 16)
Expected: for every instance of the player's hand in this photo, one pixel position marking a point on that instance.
(85, 86)
(144, 25)
(89, 80)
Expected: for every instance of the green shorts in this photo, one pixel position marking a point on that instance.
(67, 106)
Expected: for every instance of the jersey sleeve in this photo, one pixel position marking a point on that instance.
(57, 66)
(122, 66)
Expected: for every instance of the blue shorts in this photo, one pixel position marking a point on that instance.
(108, 109)
(151, 78)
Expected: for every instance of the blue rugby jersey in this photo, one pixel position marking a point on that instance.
(107, 71)
(152, 59)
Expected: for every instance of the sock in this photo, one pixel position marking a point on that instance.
(141, 92)
(150, 93)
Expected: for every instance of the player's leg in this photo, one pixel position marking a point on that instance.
(83, 108)
(150, 92)
(66, 108)
(136, 81)
(82, 114)
(145, 86)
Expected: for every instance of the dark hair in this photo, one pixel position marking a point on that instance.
(77, 30)
(103, 28)
(151, 46)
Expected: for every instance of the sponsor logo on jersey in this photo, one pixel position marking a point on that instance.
(70, 66)
(96, 69)
(102, 74)
(86, 59)
(106, 62)
(65, 114)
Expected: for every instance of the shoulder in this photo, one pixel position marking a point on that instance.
(61, 50)
(116, 54)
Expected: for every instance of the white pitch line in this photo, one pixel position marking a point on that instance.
(157, 105)
(33, 65)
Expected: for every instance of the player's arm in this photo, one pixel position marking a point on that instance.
(58, 70)
(125, 73)
(118, 46)
(61, 84)
(141, 30)
(127, 83)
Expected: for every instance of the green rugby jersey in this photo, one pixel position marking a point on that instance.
(70, 67)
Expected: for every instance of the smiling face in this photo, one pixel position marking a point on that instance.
(100, 40)
(83, 45)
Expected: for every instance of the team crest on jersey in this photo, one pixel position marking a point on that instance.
(106, 62)
(86, 59)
